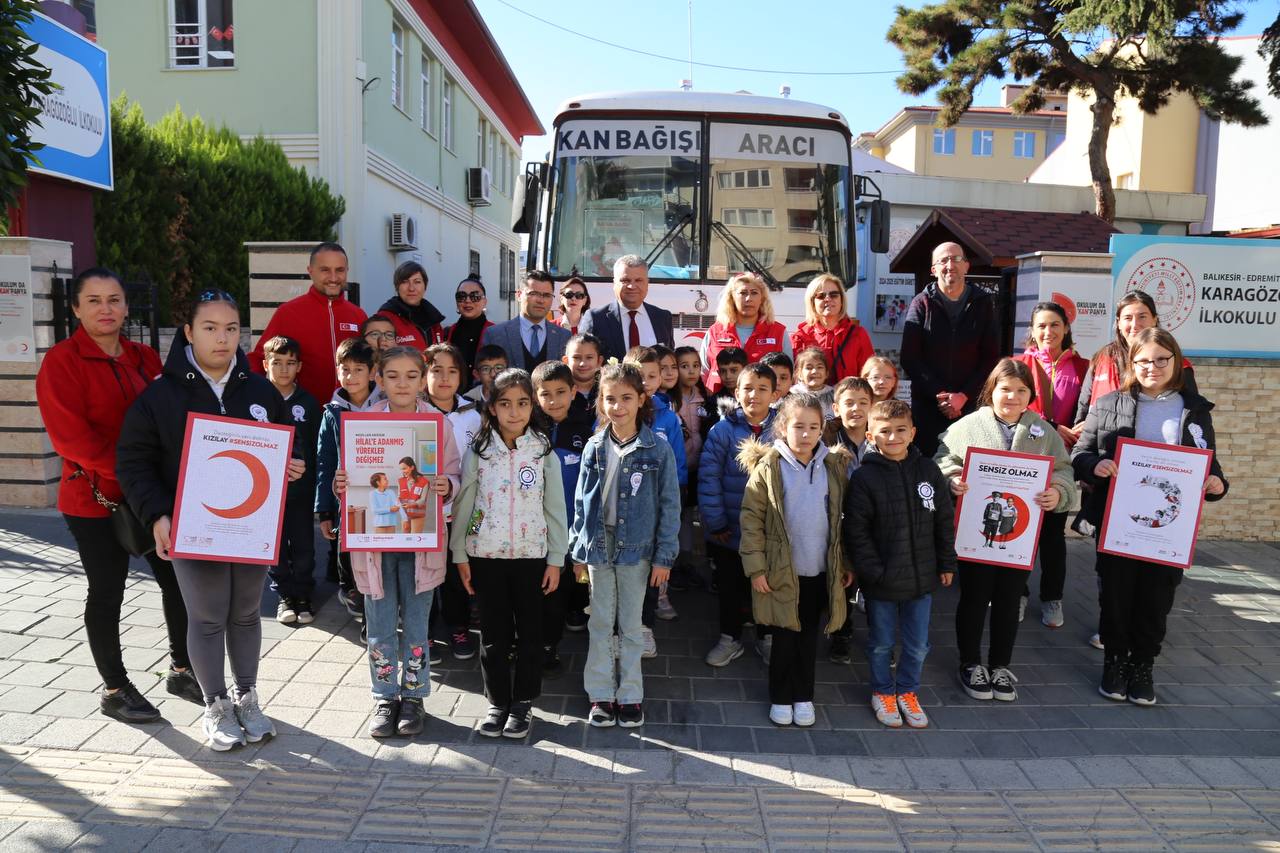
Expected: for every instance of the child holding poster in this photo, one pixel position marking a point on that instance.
(1154, 404)
(398, 585)
(1004, 422)
(205, 373)
(509, 542)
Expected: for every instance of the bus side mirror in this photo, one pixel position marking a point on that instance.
(524, 204)
(878, 226)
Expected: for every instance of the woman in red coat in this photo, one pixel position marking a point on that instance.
(828, 326)
(85, 385)
(744, 319)
(417, 321)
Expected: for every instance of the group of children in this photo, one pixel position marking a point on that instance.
(572, 490)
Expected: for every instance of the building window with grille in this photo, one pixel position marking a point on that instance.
(424, 101)
(1024, 144)
(983, 143)
(201, 34)
(446, 113)
(397, 65)
(482, 132)
(473, 268)
(944, 141)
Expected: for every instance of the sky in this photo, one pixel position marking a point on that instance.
(782, 38)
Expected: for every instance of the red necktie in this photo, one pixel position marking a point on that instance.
(633, 337)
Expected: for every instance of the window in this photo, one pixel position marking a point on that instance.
(803, 254)
(1125, 181)
(802, 220)
(749, 217)
(1024, 144)
(982, 143)
(744, 179)
(800, 180)
(491, 154)
(446, 113)
(201, 34)
(482, 131)
(397, 65)
(1054, 139)
(424, 101)
(944, 141)
(473, 268)
(764, 256)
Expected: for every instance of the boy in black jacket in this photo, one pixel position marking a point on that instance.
(293, 578)
(899, 532)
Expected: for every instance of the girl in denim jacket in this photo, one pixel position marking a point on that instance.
(625, 535)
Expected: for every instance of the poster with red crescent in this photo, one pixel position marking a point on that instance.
(1153, 508)
(390, 460)
(231, 490)
(997, 520)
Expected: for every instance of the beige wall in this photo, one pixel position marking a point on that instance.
(913, 149)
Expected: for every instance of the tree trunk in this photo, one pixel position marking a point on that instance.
(1104, 194)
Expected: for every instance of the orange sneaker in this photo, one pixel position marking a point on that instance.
(915, 716)
(886, 709)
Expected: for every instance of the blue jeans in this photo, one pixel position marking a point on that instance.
(884, 618)
(617, 597)
(408, 655)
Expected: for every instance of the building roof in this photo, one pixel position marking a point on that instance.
(674, 100)
(469, 43)
(995, 238)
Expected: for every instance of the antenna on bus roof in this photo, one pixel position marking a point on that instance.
(784, 90)
(688, 84)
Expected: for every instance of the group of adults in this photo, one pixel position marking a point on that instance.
(87, 382)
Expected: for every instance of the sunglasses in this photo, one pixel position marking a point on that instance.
(468, 296)
(573, 294)
(830, 294)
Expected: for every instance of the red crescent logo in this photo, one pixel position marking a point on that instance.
(257, 495)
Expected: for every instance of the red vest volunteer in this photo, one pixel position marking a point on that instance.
(765, 338)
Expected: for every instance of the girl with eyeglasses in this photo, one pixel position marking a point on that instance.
(1154, 404)
(575, 300)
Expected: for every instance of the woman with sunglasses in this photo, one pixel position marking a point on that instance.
(471, 300)
(828, 326)
(575, 301)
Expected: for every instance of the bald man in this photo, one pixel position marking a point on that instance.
(950, 343)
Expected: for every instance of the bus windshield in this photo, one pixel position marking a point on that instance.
(776, 199)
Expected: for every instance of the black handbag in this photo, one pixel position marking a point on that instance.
(129, 531)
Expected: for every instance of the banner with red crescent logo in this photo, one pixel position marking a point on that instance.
(997, 520)
(231, 490)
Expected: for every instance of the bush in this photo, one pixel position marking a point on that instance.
(189, 196)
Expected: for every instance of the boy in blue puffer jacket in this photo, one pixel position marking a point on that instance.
(721, 484)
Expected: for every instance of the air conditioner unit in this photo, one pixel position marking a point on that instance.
(478, 187)
(402, 232)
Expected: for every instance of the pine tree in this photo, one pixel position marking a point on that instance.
(1107, 49)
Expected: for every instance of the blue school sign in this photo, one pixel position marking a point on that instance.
(75, 121)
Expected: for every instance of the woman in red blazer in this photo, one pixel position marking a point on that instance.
(828, 326)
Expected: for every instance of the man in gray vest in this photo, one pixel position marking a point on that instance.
(530, 338)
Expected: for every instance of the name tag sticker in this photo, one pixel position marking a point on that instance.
(348, 327)
(636, 479)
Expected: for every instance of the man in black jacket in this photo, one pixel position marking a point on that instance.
(950, 343)
(898, 529)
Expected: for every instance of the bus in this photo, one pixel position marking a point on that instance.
(702, 186)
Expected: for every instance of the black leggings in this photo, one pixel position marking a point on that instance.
(1136, 599)
(224, 602)
(106, 567)
(1001, 587)
(733, 589)
(795, 653)
(510, 596)
(1052, 550)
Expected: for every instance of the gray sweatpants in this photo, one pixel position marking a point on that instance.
(223, 611)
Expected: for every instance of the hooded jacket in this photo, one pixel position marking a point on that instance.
(83, 394)
(668, 426)
(766, 548)
(318, 324)
(417, 326)
(721, 477)
(899, 526)
(149, 455)
(1111, 419)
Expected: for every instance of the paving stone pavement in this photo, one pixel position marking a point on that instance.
(1061, 768)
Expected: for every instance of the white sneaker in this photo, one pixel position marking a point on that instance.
(650, 644)
(665, 611)
(909, 705)
(725, 651)
(886, 707)
(1051, 614)
(256, 724)
(780, 715)
(803, 714)
(1096, 642)
(220, 725)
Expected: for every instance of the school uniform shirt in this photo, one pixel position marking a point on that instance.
(305, 413)
(569, 438)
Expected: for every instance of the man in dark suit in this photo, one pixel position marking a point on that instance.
(629, 321)
(530, 338)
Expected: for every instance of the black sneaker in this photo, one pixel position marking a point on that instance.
(435, 653)
(1002, 681)
(411, 716)
(602, 715)
(518, 720)
(840, 649)
(129, 706)
(385, 713)
(1141, 689)
(460, 642)
(630, 716)
(1115, 678)
(353, 601)
(494, 721)
(552, 667)
(183, 684)
(976, 681)
(285, 614)
(575, 621)
(306, 615)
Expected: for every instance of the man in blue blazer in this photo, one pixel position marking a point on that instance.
(629, 320)
(531, 338)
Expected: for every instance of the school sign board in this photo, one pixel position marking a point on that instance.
(75, 120)
(1219, 296)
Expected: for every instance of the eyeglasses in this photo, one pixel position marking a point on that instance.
(468, 296)
(491, 369)
(828, 294)
(950, 259)
(1159, 363)
(385, 336)
(572, 294)
(538, 294)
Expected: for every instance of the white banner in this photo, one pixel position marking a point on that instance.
(17, 311)
(1219, 296)
(635, 138)
(778, 143)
